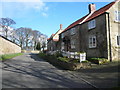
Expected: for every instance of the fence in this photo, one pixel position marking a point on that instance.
(75, 55)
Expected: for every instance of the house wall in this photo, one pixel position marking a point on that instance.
(52, 46)
(101, 38)
(74, 37)
(114, 32)
(7, 47)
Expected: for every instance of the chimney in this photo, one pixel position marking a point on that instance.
(60, 26)
(92, 8)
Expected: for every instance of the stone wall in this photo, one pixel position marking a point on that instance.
(114, 32)
(7, 47)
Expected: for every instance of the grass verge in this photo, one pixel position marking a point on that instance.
(9, 56)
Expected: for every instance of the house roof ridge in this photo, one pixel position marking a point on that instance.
(86, 17)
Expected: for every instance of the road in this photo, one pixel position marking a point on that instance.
(29, 71)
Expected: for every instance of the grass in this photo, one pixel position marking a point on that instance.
(9, 56)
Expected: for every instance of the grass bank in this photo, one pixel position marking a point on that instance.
(9, 56)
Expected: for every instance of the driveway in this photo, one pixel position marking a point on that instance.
(29, 71)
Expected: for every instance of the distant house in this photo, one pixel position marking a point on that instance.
(53, 41)
(97, 33)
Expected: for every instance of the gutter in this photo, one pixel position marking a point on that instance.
(109, 33)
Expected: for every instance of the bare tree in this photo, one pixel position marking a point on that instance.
(20, 36)
(6, 23)
(28, 36)
(36, 35)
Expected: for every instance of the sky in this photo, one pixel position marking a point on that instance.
(45, 16)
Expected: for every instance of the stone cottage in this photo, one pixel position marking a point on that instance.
(53, 41)
(97, 33)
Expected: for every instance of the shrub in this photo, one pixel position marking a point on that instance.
(63, 59)
(58, 54)
(42, 55)
(85, 61)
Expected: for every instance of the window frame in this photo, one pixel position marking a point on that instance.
(73, 44)
(92, 24)
(62, 35)
(72, 31)
(92, 42)
(118, 40)
(62, 46)
(117, 16)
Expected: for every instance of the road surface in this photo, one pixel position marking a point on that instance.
(29, 71)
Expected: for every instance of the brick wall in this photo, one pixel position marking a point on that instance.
(7, 47)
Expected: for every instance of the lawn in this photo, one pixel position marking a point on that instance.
(9, 56)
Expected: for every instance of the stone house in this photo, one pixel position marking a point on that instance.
(97, 33)
(53, 41)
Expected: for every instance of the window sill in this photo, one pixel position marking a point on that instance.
(117, 22)
(91, 28)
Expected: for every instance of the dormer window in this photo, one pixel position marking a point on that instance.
(117, 16)
(91, 24)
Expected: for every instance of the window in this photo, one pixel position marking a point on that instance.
(62, 35)
(72, 31)
(117, 16)
(118, 40)
(62, 46)
(72, 44)
(92, 41)
(92, 24)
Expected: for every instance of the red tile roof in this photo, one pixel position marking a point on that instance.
(95, 14)
(100, 11)
(75, 23)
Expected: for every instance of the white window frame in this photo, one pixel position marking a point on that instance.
(62, 46)
(72, 44)
(118, 40)
(92, 24)
(62, 35)
(117, 16)
(72, 31)
(92, 42)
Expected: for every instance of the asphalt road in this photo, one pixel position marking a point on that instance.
(29, 71)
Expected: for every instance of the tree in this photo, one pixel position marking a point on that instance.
(38, 47)
(43, 46)
(20, 36)
(6, 23)
(28, 36)
(36, 35)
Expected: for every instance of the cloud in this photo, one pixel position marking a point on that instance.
(21, 0)
(19, 8)
(44, 14)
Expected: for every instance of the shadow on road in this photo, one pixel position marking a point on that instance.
(48, 76)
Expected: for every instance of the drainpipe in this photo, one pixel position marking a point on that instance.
(110, 54)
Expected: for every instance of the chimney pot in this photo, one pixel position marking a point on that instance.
(92, 8)
(60, 26)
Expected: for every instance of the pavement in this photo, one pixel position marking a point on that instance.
(29, 71)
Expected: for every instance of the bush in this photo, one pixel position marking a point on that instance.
(85, 61)
(98, 60)
(58, 54)
(63, 59)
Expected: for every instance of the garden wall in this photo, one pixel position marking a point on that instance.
(8, 47)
